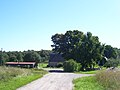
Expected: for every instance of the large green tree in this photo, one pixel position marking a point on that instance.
(84, 48)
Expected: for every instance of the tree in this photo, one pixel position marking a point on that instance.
(112, 63)
(3, 58)
(65, 44)
(19, 57)
(45, 54)
(32, 57)
(110, 52)
(84, 48)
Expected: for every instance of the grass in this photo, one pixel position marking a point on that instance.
(109, 79)
(103, 80)
(87, 83)
(7, 73)
(11, 80)
(43, 65)
(15, 83)
(88, 72)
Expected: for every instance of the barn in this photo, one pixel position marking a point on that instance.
(55, 59)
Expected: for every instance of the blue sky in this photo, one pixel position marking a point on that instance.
(29, 24)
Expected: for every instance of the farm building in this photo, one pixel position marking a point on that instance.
(21, 64)
(55, 59)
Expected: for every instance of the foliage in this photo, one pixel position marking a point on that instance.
(109, 79)
(112, 63)
(87, 83)
(45, 55)
(118, 52)
(110, 52)
(84, 48)
(3, 58)
(71, 66)
(30, 55)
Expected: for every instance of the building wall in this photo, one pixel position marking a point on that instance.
(53, 64)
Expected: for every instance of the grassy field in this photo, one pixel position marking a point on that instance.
(12, 78)
(109, 79)
(87, 83)
(103, 80)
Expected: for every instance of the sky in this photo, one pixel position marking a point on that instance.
(30, 24)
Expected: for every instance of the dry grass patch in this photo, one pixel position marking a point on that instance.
(10, 72)
(109, 79)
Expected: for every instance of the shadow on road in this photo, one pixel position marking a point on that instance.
(56, 71)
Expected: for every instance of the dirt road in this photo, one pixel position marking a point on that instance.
(53, 81)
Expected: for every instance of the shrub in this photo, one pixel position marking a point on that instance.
(71, 66)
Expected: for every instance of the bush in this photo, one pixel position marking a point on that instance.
(112, 63)
(71, 66)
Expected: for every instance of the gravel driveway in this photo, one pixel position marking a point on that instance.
(53, 81)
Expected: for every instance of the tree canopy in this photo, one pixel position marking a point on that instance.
(25, 56)
(84, 48)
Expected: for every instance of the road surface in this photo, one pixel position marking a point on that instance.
(53, 81)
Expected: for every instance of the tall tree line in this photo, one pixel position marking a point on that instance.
(25, 56)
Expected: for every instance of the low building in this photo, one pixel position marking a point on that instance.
(21, 64)
(55, 59)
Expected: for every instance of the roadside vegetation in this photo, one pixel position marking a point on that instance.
(87, 83)
(103, 80)
(71, 66)
(88, 72)
(43, 65)
(13, 78)
(109, 79)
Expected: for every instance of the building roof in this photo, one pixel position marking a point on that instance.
(23, 63)
(55, 57)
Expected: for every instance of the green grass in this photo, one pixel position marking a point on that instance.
(7, 73)
(12, 78)
(87, 83)
(43, 65)
(15, 83)
(88, 72)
